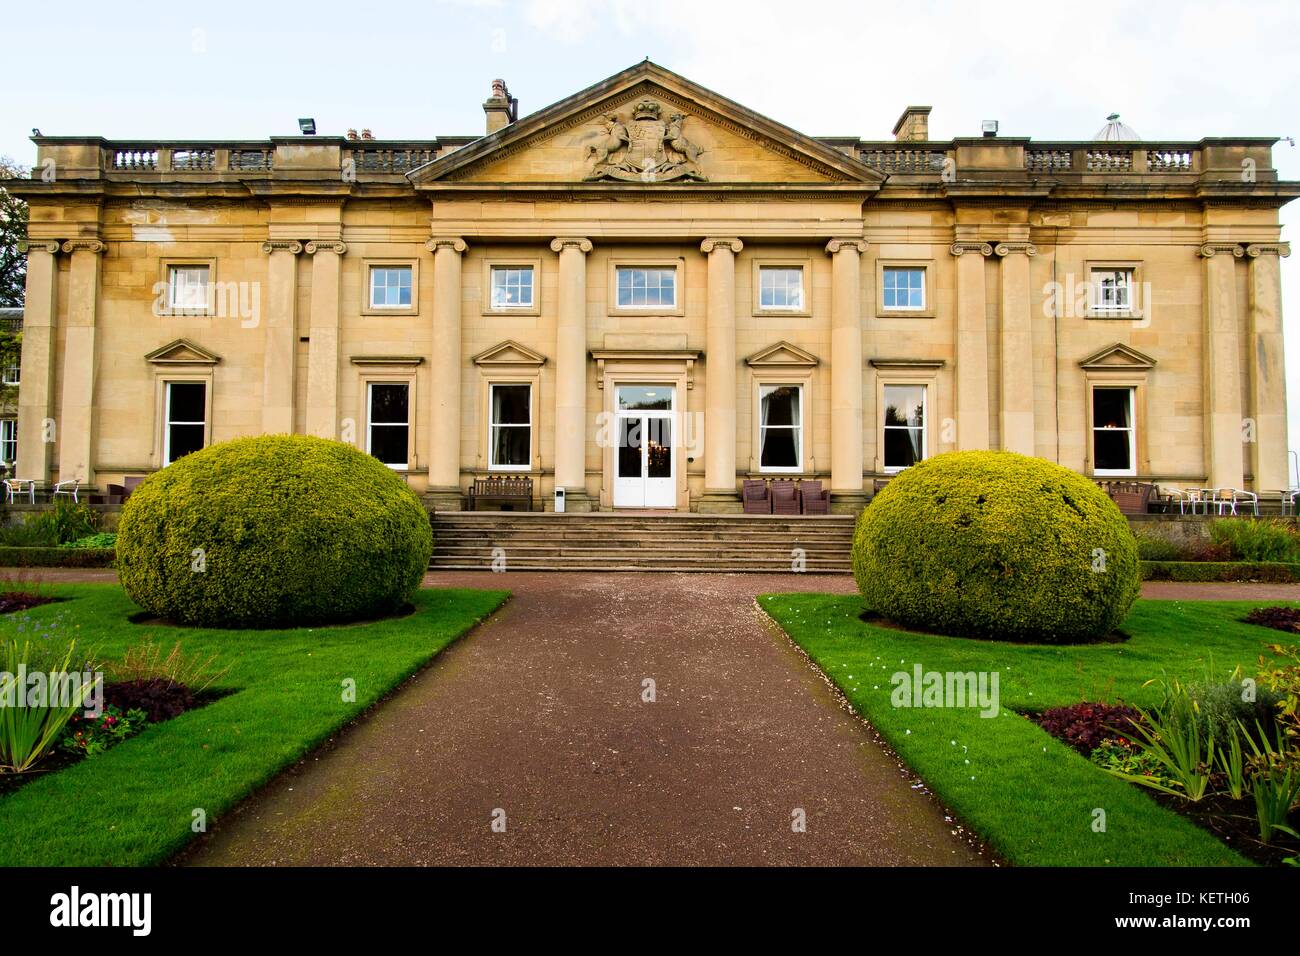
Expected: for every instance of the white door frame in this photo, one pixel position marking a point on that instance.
(643, 491)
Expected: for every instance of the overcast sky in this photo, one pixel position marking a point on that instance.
(239, 70)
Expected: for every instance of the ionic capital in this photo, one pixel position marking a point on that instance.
(1211, 249)
(84, 245)
(571, 242)
(291, 246)
(454, 243)
(708, 245)
(846, 245)
(1257, 249)
(1009, 248)
(963, 246)
(39, 245)
(325, 245)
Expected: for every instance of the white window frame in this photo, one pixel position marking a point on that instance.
(371, 269)
(8, 440)
(7, 379)
(671, 270)
(167, 414)
(1131, 470)
(506, 268)
(493, 426)
(1098, 275)
(371, 424)
(902, 267)
(764, 389)
(799, 308)
(175, 269)
(923, 427)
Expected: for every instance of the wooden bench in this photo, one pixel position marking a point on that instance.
(501, 491)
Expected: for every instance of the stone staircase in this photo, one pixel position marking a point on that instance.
(618, 541)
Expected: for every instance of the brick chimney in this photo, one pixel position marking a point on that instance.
(501, 108)
(913, 125)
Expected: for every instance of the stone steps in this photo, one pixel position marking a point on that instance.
(641, 542)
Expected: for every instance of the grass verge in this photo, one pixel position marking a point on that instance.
(1031, 797)
(135, 804)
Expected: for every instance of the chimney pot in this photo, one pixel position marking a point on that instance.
(501, 108)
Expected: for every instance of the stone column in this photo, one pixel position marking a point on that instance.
(444, 448)
(1268, 451)
(323, 350)
(1017, 365)
(36, 396)
(80, 362)
(846, 375)
(280, 348)
(720, 382)
(571, 373)
(1223, 412)
(972, 346)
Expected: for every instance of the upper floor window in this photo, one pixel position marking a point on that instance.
(186, 428)
(780, 287)
(646, 287)
(903, 287)
(780, 428)
(388, 422)
(904, 426)
(511, 427)
(187, 287)
(390, 287)
(512, 287)
(1112, 291)
(11, 374)
(1114, 439)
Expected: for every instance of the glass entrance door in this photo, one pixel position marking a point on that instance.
(644, 465)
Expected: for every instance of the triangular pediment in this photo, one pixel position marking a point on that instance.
(646, 126)
(1118, 356)
(782, 354)
(510, 353)
(182, 352)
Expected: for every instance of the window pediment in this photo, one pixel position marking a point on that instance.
(182, 352)
(509, 354)
(1118, 356)
(782, 355)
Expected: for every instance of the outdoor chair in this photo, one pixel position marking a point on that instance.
(878, 485)
(68, 487)
(1131, 497)
(18, 486)
(129, 485)
(1289, 498)
(815, 501)
(785, 498)
(756, 498)
(1227, 500)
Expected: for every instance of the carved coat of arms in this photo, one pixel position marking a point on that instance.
(650, 148)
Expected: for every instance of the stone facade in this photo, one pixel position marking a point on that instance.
(648, 174)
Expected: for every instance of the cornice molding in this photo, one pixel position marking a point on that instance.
(325, 245)
(708, 245)
(1209, 250)
(1010, 248)
(571, 242)
(962, 246)
(84, 245)
(1257, 249)
(845, 245)
(292, 246)
(454, 243)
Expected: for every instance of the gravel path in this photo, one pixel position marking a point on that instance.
(540, 714)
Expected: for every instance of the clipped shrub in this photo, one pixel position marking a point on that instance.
(273, 531)
(1197, 571)
(996, 545)
(55, 557)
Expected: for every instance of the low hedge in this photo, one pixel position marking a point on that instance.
(1273, 572)
(56, 557)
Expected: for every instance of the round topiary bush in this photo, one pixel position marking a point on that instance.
(996, 545)
(273, 531)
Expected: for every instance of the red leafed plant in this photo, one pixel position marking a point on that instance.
(1085, 725)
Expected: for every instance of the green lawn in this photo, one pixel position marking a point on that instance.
(1031, 797)
(134, 804)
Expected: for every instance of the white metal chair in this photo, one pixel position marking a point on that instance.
(1226, 500)
(16, 486)
(68, 487)
(1189, 499)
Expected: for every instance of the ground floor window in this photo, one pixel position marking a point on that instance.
(187, 419)
(8, 441)
(511, 426)
(904, 426)
(1114, 439)
(388, 422)
(780, 430)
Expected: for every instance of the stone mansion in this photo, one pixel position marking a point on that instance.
(646, 292)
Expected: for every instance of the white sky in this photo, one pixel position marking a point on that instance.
(244, 70)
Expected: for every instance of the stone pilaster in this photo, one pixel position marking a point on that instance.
(571, 373)
(322, 419)
(36, 396)
(720, 494)
(1223, 412)
(444, 445)
(1017, 364)
(1268, 451)
(972, 346)
(280, 348)
(80, 362)
(846, 374)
